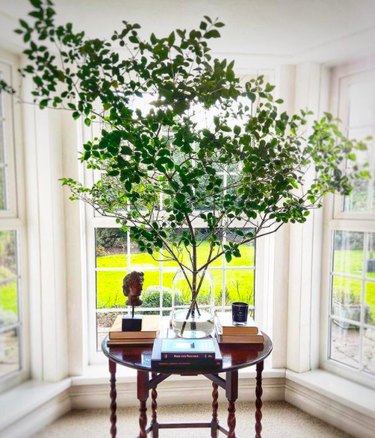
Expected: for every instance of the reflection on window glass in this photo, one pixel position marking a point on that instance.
(370, 256)
(369, 305)
(369, 350)
(9, 321)
(3, 194)
(345, 344)
(360, 125)
(104, 321)
(353, 299)
(9, 352)
(346, 298)
(3, 182)
(8, 273)
(348, 252)
(2, 143)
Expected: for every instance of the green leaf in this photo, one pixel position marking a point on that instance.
(212, 34)
(171, 39)
(203, 25)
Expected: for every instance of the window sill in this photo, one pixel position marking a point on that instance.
(347, 393)
(26, 398)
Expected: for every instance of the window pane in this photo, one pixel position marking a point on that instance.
(369, 307)
(370, 262)
(239, 286)
(346, 298)
(345, 344)
(348, 252)
(111, 248)
(369, 350)
(8, 304)
(3, 192)
(204, 248)
(361, 198)
(3, 182)
(158, 296)
(109, 289)
(8, 279)
(360, 124)
(247, 251)
(362, 103)
(9, 352)
(104, 321)
(140, 261)
(2, 145)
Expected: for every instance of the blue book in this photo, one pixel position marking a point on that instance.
(186, 351)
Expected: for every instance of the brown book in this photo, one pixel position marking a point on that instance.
(244, 339)
(225, 326)
(150, 329)
(135, 342)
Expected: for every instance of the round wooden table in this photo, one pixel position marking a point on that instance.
(235, 356)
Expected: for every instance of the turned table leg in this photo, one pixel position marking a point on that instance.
(142, 395)
(258, 401)
(113, 395)
(154, 408)
(231, 394)
(215, 405)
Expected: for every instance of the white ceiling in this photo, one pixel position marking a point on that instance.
(276, 31)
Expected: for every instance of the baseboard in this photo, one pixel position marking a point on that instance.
(183, 390)
(330, 410)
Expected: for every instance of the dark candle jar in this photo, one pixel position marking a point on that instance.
(239, 313)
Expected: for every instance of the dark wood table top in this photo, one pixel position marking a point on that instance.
(235, 356)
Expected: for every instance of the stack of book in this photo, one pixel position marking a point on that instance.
(146, 336)
(193, 353)
(229, 333)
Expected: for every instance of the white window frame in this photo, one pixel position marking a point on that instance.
(9, 146)
(13, 218)
(337, 220)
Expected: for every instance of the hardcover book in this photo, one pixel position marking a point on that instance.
(150, 329)
(187, 348)
(225, 326)
(133, 342)
(197, 353)
(240, 339)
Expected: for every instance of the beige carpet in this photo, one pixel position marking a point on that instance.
(279, 420)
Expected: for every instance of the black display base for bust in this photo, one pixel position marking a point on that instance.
(131, 324)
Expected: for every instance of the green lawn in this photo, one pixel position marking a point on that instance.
(8, 297)
(239, 282)
(350, 289)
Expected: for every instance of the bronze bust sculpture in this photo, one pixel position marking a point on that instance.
(132, 288)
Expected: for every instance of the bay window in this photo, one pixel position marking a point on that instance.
(351, 236)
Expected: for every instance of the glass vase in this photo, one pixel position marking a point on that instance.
(192, 321)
